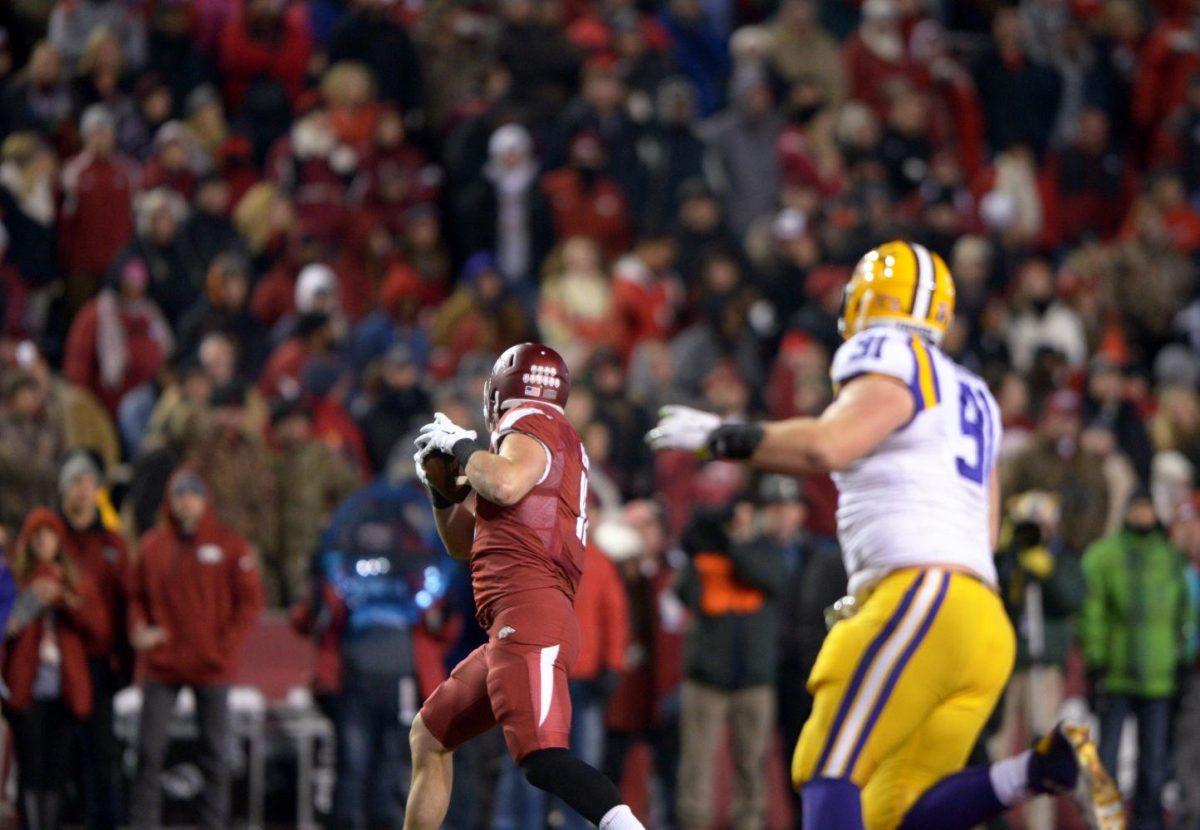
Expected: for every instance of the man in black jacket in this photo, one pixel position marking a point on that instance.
(730, 656)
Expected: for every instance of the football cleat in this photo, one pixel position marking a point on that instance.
(1066, 760)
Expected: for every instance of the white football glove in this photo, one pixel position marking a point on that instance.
(419, 461)
(440, 435)
(682, 428)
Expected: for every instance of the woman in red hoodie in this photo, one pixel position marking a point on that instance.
(45, 664)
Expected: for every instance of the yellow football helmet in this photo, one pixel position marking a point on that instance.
(902, 284)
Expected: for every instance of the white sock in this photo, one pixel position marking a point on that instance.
(620, 818)
(1010, 778)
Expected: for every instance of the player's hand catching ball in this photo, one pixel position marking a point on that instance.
(682, 428)
(440, 435)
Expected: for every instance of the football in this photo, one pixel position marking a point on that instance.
(445, 476)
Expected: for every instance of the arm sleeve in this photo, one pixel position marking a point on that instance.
(759, 566)
(1187, 616)
(687, 587)
(134, 588)
(889, 353)
(247, 592)
(616, 619)
(90, 618)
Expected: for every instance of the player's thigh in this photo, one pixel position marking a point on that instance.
(970, 652)
(935, 635)
(857, 673)
(527, 678)
(459, 708)
(939, 747)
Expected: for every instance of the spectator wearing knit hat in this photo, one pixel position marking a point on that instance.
(481, 315)
(235, 463)
(1056, 461)
(741, 145)
(97, 212)
(100, 555)
(39, 99)
(396, 397)
(172, 268)
(194, 594)
(584, 200)
(31, 448)
(312, 481)
(120, 339)
(504, 210)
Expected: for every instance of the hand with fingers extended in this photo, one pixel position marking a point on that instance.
(682, 428)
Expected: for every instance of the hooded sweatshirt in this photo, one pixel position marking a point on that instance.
(67, 628)
(203, 588)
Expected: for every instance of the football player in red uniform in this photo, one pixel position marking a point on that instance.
(524, 530)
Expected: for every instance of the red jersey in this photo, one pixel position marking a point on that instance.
(537, 542)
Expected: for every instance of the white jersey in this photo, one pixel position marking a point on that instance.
(922, 495)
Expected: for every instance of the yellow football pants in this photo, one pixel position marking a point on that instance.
(902, 689)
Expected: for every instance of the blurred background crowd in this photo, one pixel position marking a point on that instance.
(247, 246)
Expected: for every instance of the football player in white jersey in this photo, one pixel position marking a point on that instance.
(904, 684)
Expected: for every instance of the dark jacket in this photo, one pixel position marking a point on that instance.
(732, 588)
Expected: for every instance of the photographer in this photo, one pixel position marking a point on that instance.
(1042, 590)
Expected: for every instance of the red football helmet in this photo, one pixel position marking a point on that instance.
(525, 372)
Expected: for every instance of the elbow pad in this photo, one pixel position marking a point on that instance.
(735, 442)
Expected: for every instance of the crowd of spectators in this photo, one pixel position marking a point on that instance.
(246, 246)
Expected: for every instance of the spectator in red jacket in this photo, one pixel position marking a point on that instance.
(585, 202)
(194, 594)
(100, 556)
(645, 704)
(97, 210)
(1170, 56)
(265, 39)
(118, 340)
(876, 56)
(1091, 179)
(45, 663)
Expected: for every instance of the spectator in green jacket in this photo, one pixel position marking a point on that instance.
(1135, 624)
(730, 657)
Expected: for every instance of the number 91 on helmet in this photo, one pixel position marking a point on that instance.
(899, 284)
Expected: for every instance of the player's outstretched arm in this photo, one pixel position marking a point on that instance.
(868, 410)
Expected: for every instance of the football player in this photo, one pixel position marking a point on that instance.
(524, 529)
(906, 680)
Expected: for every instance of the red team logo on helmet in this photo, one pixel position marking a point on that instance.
(527, 371)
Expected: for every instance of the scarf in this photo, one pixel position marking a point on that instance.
(112, 344)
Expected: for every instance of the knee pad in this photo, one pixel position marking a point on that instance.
(832, 804)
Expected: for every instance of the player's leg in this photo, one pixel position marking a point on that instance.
(861, 710)
(458, 710)
(1055, 765)
(527, 684)
(432, 779)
